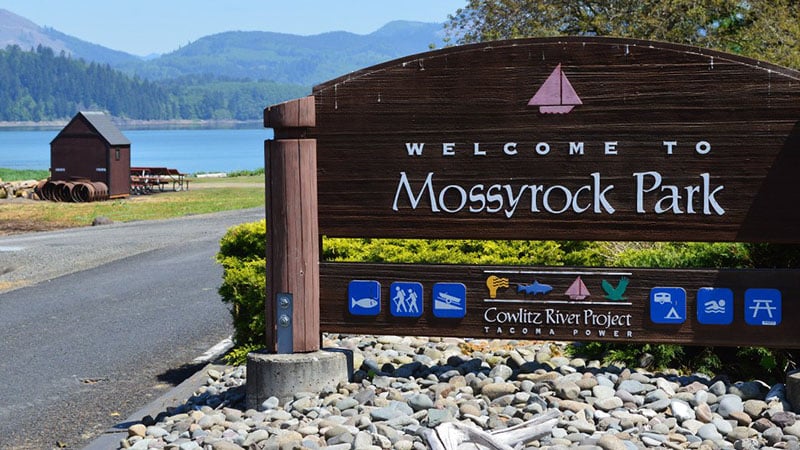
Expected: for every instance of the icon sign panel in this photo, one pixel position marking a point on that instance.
(364, 298)
(715, 306)
(405, 299)
(762, 307)
(668, 305)
(449, 300)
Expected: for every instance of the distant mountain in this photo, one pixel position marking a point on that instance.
(254, 55)
(92, 52)
(17, 30)
(47, 75)
(287, 58)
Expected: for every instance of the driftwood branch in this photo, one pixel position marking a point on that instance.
(457, 435)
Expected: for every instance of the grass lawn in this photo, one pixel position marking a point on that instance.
(205, 195)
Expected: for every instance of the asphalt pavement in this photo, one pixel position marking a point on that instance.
(97, 322)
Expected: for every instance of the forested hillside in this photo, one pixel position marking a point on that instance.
(288, 58)
(40, 85)
(48, 75)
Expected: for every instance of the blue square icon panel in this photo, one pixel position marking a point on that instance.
(364, 298)
(449, 300)
(406, 299)
(715, 306)
(668, 305)
(762, 307)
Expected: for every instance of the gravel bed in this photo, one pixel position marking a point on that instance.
(408, 387)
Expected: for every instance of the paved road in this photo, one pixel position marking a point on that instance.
(108, 319)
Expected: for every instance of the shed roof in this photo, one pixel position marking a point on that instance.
(101, 122)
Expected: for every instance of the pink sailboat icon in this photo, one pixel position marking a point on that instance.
(556, 95)
(577, 290)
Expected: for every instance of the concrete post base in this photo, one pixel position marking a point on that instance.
(793, 390)
(282, 375)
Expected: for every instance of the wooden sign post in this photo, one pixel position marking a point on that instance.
(292, 309)
(561, 138)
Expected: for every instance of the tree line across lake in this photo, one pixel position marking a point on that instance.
(40, 86)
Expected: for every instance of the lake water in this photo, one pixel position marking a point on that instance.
(188, 150)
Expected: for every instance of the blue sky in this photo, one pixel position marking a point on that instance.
(142, 27)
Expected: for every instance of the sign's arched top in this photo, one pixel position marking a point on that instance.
(562, 138)
(627, 48)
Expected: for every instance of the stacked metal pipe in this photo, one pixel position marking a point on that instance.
(78, 191)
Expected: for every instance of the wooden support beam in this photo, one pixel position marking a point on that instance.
(291, 119)
(292, 229)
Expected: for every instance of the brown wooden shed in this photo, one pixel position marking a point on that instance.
(91, 147)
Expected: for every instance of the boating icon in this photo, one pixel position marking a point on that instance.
(447, 301)
(577, 290)
(556, 95)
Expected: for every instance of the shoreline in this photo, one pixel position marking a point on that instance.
(137, 124)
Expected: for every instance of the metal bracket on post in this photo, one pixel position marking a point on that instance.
(284, 310)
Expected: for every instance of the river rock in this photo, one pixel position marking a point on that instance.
(495, 390)
(681, 410)
(567, 390)
(741, 418)
(703, 413)
(754, 408)
(740, 433)
(608, 404)
(631, 386)
(224, 445)
(255, 437)
(773, 435)
(602, 392)
(748, 390)
(502, 372)
(793, 429)
(485, 384)
(419, 402)
(718, 388)
(710, 432)
(394, 410)
(783, 419)
(730, 403)
(137, 429)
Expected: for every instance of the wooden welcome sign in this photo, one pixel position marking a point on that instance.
(563, 138)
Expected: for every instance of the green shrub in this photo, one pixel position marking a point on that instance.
(443, 251)
(246, 241)
(243, 258)
(674, 255)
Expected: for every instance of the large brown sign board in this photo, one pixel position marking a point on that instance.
(563, 138)
(594, 139)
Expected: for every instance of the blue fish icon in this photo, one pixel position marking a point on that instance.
(366, 303)
(534, 288)
(365, 297)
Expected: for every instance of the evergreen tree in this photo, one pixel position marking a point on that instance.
(39, 85)
(763, 29)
